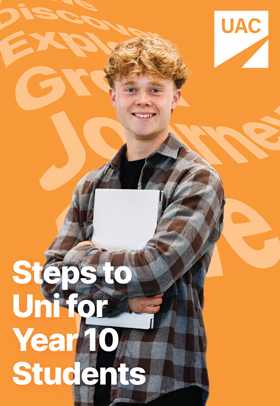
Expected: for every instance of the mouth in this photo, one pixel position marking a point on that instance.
(144, 116)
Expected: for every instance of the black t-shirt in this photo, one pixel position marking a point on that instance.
(130, 173)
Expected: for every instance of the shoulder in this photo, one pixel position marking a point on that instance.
(194, 176)
(189, 163)
(186, 161)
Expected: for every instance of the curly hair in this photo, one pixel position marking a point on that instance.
(151, 56)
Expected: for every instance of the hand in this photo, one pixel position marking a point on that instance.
(85, 243)
(150, 305)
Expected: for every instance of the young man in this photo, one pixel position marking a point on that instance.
(145, 76)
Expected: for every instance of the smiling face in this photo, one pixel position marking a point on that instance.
(144, 105)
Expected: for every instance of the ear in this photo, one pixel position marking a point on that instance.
(176, 98)
(112, 94)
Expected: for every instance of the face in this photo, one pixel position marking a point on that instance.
(144, 105)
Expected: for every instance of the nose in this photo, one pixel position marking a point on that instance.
(143, 99)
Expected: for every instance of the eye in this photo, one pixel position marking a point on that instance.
(131, 90)
(155, 90)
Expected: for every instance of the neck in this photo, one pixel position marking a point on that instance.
(141, 148)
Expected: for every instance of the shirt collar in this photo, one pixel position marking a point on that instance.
(169, 148)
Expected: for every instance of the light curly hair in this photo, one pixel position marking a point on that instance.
(151, 56)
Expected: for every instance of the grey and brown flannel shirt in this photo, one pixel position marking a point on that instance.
(174, 262)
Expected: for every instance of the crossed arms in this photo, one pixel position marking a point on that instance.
(188, 229)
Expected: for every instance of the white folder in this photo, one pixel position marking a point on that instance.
(125, 219)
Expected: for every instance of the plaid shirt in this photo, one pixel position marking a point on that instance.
(174, 262)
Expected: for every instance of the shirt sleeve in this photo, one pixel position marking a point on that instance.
(71, 233)
(189, 227)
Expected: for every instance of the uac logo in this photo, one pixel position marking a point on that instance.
(242, 33)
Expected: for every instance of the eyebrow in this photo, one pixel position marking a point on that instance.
(132, 83)
(154, 83)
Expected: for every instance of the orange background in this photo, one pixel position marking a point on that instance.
(241, 303)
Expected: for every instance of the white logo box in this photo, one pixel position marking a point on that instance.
(235, 31)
